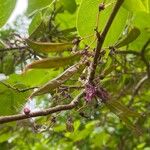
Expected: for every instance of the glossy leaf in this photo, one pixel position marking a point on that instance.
(60, 79)
(6, 8)
(140, 41)
(34, 78)
(146, 3)
(62, 20)
(35, 5)
(36, 21)
(141, 20)
(69, 5)
(131, 36)
(45, 47)
(54, 62)
(135, 5)
(87, 18)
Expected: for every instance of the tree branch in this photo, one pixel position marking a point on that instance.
(13, 48)
(17, 89)
(73, 104)
(101, 39)
(144, 59)
(123, 52)
(136, 89)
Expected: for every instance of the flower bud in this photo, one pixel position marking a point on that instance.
(101, 6)
(26, 111)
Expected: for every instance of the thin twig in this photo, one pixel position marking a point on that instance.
(16, 89)
(59, 80)
(27, 89)
(72, 87)
(73, 104)
(101, 39)
(12, 48)
(120, 52)
(144, 59)
(136, 89)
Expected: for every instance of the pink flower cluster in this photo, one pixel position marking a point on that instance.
(92, 91)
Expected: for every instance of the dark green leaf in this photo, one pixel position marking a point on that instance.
(11, 99)
(131, 36)
(87, 18)
(8, 64)
(34, 5)
(69, 5)
(36, 21)
(6, 8)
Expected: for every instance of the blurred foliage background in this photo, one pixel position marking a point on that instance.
(124, 71)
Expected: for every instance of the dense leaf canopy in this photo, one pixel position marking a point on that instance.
(75, 74)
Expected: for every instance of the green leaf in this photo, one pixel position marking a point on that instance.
(99, 137)
(5, 137)
(83, 133)
(59, 128)
(87, 16)
(55, 62)
(45, 47)
(140, 41)
(146, 3)
(134, 5)
(66, 20)
(69, 5)
(34, 77)
(39, 29)
(123, 109)
(108, 68)
(141, 20)
(130, 37)
(35, 5)
(60, 79)
(8, 64)
(36, 21)
(86, 20)
(6, 8)
(2, 44)
(11, 99)
(136, 130)
(124, 113)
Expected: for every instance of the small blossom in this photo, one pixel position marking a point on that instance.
(90, 92)
(26, 110)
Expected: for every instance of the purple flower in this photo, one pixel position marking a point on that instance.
(90, 91)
